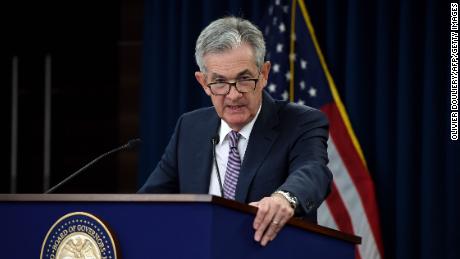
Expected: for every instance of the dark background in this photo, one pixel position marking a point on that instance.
(95, 51)
(124, 68)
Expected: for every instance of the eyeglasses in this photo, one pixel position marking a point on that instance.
(242, 86)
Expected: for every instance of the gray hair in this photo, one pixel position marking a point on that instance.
(228, 33)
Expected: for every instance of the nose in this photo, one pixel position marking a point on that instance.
(233, 94)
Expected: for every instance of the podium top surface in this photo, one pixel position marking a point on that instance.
(179, 198)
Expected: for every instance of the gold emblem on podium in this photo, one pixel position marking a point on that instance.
(78, 235)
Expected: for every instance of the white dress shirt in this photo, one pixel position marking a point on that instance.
(222, 149)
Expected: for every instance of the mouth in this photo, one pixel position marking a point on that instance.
(235, 108)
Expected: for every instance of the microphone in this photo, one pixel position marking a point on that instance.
(215, 141)
(130, 145)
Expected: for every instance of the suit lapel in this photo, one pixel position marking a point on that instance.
(202, 154)
(262, 137)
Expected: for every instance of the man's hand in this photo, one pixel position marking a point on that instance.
(273, 212)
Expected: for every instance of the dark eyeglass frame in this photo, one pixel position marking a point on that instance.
(235, 84)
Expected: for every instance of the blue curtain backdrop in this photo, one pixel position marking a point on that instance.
(390, 61)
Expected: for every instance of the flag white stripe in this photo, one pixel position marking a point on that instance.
(352, 202)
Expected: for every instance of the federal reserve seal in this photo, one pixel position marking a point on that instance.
(78, 235)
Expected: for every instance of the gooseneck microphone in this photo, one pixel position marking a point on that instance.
(130, 145)
(215, 141)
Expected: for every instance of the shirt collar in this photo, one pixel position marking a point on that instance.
(245, 131)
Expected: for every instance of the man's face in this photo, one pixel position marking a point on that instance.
(235, 108)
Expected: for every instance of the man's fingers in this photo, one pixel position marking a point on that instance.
(273, 229)
(255, 204)
(272, 214)
(274, 220)
(266, 221)
(260, 215)
(279, 220)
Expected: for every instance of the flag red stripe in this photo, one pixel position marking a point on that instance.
(339, 211)
(356, 169)
(340, 214)
(357, 253)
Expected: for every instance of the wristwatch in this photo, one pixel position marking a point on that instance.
(289, 197)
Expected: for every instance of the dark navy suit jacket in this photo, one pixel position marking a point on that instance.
(287, 150)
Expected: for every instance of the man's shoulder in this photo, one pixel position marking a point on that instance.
(298, 108)
(294, 111)
(206, 111)
(201, 123)
(199, 115)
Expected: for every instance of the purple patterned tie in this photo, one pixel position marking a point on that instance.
(233, 166)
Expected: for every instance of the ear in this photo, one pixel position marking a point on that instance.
(201, 78)
(265, 71)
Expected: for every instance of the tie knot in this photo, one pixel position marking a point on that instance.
(233, 138)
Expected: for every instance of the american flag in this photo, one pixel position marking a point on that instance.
(300, 74)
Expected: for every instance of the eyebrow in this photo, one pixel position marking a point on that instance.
(244, 72)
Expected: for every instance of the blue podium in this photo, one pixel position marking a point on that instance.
(163, 226)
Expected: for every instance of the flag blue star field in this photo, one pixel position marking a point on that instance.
(299, 73)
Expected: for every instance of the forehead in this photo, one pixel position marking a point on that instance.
(231, 63)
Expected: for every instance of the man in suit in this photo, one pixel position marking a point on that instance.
(270, 154)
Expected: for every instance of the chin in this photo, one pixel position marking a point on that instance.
(237, 122)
